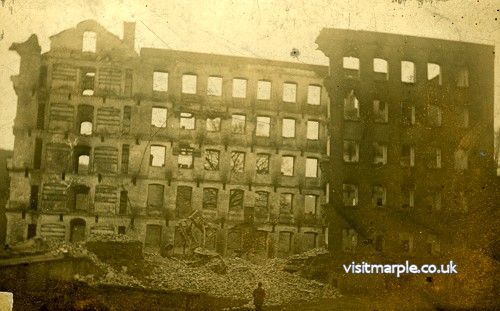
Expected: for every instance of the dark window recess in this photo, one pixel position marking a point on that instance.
(121, 230)
(125, 157)
(128, 82)
(88, 81)
(85, 114)
(236, 200)
(31, 231)
(210, 198)
(81, 160)
(42, 78)
(40, 118)
(123, 202)
(183, 201)
(34, 198)
(38, 153)
(127, 116)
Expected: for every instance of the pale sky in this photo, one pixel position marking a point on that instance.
(256, 28)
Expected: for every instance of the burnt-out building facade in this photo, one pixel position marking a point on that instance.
(111, 141)
(411, 134)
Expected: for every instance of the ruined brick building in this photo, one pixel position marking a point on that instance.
(111, 141)
(411, 140)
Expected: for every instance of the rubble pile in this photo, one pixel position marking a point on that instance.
(238, 282)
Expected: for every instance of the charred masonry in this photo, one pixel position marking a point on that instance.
(111, 141)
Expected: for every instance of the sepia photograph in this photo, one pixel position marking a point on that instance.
(249, 155)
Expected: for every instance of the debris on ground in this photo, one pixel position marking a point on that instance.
(206, 272)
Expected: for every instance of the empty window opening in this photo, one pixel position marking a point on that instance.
(127, 117)
(183, 201)
(89, 41)
(380, 68)
(40, 119)
(379, 196)
(408, 72)
(122, 230)
(187, 121)
(239, 88)
(379, 153)
(433, 248)
(434, 158)
(159, 117)
(238, 124)
(436, 199)
(351, 106)
(351, 151)
(407, 156)
(408, 197)
(262, 163)
(289, 92)
(210, 198)
(314, 95)
(86, 128)
(85, 117)
(263, 126)
(37, 159)
(189, 84)
(129, 79)
(463, 77)
(434, 115)
(286, 203)
(157, 156)
(83, 164)
(380, 111)
(125, 158)
(407, 113)
(351, 67)
(79, 197)
(262, 199)
(312, 167)
(34, 197)
(350, 194)
(312, 130)
(288, 128)
(213, 124)
(212, 160)
(461, 160)
(349, 240)
(214, 86)
(434, 73)
(160, 81)
(82, 157)
(287, 165)
(88, 81)
(237, 162)
(185, 158)
(236, 197)
(405, 242)
(310, 204)
(379, 242)
(155, 196)
(31, 231)
(122, 210)
(264, 90)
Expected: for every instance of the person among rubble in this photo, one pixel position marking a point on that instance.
(258, 297)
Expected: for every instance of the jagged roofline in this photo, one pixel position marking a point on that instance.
(326, 32)
(89, 22)
(32, 42)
